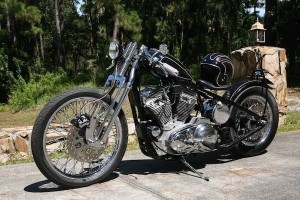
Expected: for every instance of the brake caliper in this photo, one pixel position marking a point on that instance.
(81, 121)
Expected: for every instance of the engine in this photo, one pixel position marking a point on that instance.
(157, 104)
(173, 130)
(167, 104)
(216, 111)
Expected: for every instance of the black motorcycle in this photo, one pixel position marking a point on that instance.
(81, 135)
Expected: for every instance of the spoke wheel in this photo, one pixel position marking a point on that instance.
(254, 99)
(60, 148)
(246, 123)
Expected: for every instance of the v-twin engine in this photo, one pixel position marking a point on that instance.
(164, 105)
(178, 138)
(170, 131)
(193, 139)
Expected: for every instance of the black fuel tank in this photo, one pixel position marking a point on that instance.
(173, 62)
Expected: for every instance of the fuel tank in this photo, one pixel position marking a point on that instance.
(173, 62)
(173, 67)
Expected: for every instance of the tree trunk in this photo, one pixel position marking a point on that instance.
(116, 27)
(270, 22)
(10, 27)
(90, 22)
(7, 19)
(59, 22)
(229, 29)
(42, 46)
(292, 60)
(37, 49)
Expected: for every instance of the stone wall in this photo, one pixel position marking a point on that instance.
(244, 61)
(17, 140)
(14, 140)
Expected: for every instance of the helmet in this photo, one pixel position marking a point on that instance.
(217, 69)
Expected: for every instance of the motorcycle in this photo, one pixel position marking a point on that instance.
(81, 135)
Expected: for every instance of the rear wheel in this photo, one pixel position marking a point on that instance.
(59, 147)
(254, 99)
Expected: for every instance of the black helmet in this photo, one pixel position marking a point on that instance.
(217, 69)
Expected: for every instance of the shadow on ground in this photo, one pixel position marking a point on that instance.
(48, 186)
(148, 166)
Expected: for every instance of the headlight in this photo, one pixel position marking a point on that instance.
(114, 50)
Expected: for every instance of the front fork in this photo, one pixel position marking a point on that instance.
(98, 138)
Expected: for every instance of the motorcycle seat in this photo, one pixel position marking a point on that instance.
(210, 86)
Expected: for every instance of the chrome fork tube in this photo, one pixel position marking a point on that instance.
(128, 87)
(92, 137)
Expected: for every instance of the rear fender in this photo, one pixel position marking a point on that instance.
(236, 89)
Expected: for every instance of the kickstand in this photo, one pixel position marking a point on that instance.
(201, 175)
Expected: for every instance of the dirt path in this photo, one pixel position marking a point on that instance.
(294, 99)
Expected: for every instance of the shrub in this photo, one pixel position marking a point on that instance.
(26, 95)
(6, 77)
(39, 90)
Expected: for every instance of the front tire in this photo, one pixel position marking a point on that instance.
(254, 99)
(59, 148)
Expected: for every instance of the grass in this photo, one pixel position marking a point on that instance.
(27, 117)
(11, 119)
(17, 158)
(134, 145)
(292, 122)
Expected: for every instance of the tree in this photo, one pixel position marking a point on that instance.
(288, 36)
(232, 8)
(59, 22)
(44, 36)
(270, 22)
(6, 77)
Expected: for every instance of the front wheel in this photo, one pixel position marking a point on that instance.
(59, 147)
(254, 99)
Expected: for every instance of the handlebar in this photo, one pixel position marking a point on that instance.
(152, 59)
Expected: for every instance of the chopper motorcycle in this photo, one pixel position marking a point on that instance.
(81, 135)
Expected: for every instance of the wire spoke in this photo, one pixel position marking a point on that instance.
(245, 122)
(65, 144)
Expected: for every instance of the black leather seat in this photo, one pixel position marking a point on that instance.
(210, 86)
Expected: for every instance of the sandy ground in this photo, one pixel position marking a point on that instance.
(294, 99)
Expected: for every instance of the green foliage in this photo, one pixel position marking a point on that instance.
(7, 78)
(288, 35)
(39, 90)
(32, 14)
(37, 37)
(130, 22)
(195, 71)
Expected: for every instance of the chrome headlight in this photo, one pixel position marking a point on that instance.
(114, 50)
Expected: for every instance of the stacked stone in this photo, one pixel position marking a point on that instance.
(14, 140)
(244, 61)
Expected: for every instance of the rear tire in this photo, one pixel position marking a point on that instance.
(59, 148)
(254, 98)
